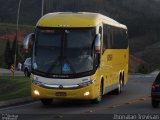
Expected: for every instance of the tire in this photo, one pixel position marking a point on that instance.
(46, 102)
(155, 104)
(123, 80)
(119, 89)
(26, 73)
(99, 98)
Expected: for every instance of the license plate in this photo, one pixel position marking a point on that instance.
(61, 94)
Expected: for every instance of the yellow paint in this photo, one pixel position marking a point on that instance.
(111, 69)
(113, 61)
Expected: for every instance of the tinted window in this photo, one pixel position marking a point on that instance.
(114, 38)
(63, 51)
(119, 39)
(158, 78)
(78, 50)
(107, 37)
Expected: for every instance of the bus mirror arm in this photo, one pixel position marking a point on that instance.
(26, 42)
(97, 49)
(97, 59)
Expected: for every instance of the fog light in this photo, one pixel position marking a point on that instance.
(36, 92)
(86, 93)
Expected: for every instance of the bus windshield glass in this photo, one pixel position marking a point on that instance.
(63, 51)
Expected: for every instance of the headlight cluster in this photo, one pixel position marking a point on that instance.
(86, 83)
(37, 82)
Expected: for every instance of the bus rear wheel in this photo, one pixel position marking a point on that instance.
(46, 102)
(99, 98)
(119, 89)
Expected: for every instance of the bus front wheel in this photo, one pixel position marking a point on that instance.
(46, 102)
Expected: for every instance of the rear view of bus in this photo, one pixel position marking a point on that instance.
(73, 57)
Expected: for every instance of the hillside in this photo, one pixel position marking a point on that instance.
(8, 32)
(151, 54)
(141, 16)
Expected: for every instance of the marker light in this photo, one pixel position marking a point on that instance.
(64, 25)
(86, 93)
(36, 92)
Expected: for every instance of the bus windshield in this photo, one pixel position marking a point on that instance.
(63, 51)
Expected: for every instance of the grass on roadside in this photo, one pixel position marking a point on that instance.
(12, 88)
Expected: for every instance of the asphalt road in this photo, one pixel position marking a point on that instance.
(135, 99)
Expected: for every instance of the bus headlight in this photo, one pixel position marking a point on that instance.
(36, 92)
(37, 82)
(86, 83)
(86, 93)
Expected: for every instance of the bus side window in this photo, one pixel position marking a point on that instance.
(107, 37)
(124, 38)
(119, 40)
(114, 38)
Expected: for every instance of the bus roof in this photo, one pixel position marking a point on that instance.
(76, 19)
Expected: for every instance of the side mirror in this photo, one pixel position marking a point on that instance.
(29, 38)
(97, 50)
(98, 43)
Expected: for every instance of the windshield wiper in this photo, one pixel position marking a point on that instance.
(53, 65)
(73, 70)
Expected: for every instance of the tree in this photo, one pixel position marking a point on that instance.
(8, 54)
(15, 48)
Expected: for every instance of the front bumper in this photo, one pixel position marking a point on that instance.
(45, 93)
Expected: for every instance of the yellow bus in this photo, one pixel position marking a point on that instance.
(79, 55)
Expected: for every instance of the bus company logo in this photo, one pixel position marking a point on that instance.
(60, 86)
(60, 76)
(109, 57)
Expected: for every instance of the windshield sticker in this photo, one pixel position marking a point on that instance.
(66, 68)
(35, 65)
